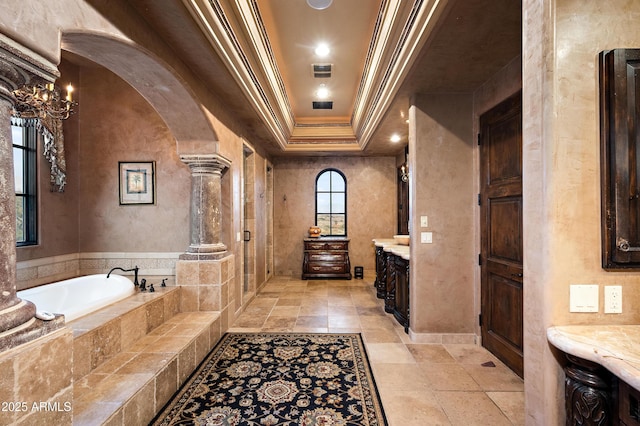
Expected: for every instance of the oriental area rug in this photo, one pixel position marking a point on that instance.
(268, 379)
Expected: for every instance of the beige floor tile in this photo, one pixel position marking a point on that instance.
(381, 336)
(313, 310)
(430, 353)
(471, 409)
(368, 322)
(344, 321)
(470, 354)
(339, 301)
(294, 301)
(401, 377)
(404, 408)
(448, 377)
(303, 329)
(511, 404)
(498, 378)
(389, 353)
(279, 324)
(285, 311)
(316, 321)
(341, 310)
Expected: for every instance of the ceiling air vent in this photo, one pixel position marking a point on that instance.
(322, 104)
(321, 70)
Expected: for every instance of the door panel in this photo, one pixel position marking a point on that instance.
(501, 231)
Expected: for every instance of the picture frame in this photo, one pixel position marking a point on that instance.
(137, 182)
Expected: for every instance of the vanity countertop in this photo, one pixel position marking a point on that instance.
(382, 242)
(615, 347)
(390, 245)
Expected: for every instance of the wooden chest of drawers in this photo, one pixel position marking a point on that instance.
(326, 257)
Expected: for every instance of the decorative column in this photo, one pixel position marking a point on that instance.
(206, 199)
(16, 316)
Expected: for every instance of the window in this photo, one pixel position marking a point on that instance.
(331, 202)
(24, 138)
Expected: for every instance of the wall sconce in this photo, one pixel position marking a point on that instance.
(42, 100)
(404, 173)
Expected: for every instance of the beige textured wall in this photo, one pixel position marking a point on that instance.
(562, 179)
(371, 206)
(117, 124)
(442, 188)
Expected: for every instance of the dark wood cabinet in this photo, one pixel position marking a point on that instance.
(401, 307)
(381, 272)
(326, 257)
(392, 283)
(620, 158)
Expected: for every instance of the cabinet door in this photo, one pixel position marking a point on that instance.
(620, 148)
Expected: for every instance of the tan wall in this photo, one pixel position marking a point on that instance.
(441, 165)
(117, 124)
(562, 179)
(371, 206)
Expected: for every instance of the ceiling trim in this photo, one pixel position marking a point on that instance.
(215, 25)
(398, 36)
(415, 32)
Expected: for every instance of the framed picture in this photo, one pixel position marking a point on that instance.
(137, 182)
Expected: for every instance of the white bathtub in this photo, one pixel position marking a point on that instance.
(80, 296)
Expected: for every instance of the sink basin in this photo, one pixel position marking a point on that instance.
(402, 240)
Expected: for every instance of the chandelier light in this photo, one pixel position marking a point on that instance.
(43, 100)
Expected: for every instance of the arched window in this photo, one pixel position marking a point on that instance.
(331, 202)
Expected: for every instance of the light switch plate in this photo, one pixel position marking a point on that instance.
(424, 221)
(583, 298)
(426, 237)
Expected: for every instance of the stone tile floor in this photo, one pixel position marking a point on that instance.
(419, 384)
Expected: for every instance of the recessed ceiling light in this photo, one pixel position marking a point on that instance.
(322, 50)
(395, 137)
(322, 92)
(319, 4)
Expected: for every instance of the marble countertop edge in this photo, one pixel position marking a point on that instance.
(608, 346)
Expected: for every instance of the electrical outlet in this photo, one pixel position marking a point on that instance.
(612, 299)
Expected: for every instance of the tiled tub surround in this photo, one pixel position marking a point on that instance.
(116, 366)
(129, 358)
(31, 273)
(36, 383)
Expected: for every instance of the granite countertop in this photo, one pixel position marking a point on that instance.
(390, 245)
(615, 347)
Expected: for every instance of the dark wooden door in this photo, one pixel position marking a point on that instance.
(501, 231)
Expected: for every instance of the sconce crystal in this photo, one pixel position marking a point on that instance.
(42, 100)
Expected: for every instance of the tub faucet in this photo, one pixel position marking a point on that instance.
(134, 270)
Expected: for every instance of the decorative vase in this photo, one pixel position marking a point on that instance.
(315, 231)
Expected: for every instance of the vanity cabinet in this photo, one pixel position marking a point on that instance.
(401, 306)
(326, 257)
(381, 272)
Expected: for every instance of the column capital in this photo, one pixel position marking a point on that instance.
(20, 65)
(205, 163)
